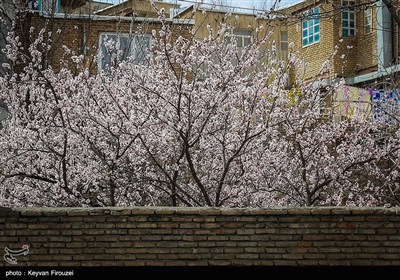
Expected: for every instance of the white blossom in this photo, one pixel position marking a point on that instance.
(201, 125)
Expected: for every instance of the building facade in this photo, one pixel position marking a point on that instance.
(358, 38)
(87, 28)
(139, 8)
(245, 26)
(353, 40)
(83, 26)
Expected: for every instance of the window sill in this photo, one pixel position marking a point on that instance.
(348, 37)
(312, 44)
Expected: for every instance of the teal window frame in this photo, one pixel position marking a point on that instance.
(310, 31)
(58, 6)
(348, 18)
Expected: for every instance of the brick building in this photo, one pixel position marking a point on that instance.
(244, 25)
(365, 37)
(85, 26)
(139, 8)
(365, 34)
(76, 25)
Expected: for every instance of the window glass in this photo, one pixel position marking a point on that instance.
(348, 18)
(368, 20)
(114, 48)
(311, 29)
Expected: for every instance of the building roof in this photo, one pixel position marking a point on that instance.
(130, 3)
(292, 4)
(300, 5)
(116, 18)
(216, 10)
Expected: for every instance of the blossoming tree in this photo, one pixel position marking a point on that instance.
(201, 124)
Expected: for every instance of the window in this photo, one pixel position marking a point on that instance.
(368, 20)
(310, 28)
(348, 19)
(33, 4)
(243, 37)
(48, 7)
(284, 41)
(284, 44)
(114, 48)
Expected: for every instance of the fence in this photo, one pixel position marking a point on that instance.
(200, 236)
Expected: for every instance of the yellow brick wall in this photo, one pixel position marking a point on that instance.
(316, 54)
(213, 19)
(355, 55)
(141, 8)
(367, 56)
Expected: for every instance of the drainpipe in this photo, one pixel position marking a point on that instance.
(384, 36)
(384, 47)
(392, 10)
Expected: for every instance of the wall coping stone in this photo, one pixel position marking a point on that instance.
(201, 211)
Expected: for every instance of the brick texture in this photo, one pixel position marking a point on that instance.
(354, 55)
(202, 236)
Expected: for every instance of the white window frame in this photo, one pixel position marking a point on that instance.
(132, 53)
(284, 44)
(348, 18)
(310, 28)
(368, 20)
(243, 37)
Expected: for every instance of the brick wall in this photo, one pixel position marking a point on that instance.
(202, 236)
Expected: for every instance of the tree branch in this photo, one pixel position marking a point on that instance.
(35, 177)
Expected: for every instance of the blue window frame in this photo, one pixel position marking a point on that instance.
(310, 28)
(348, 19)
